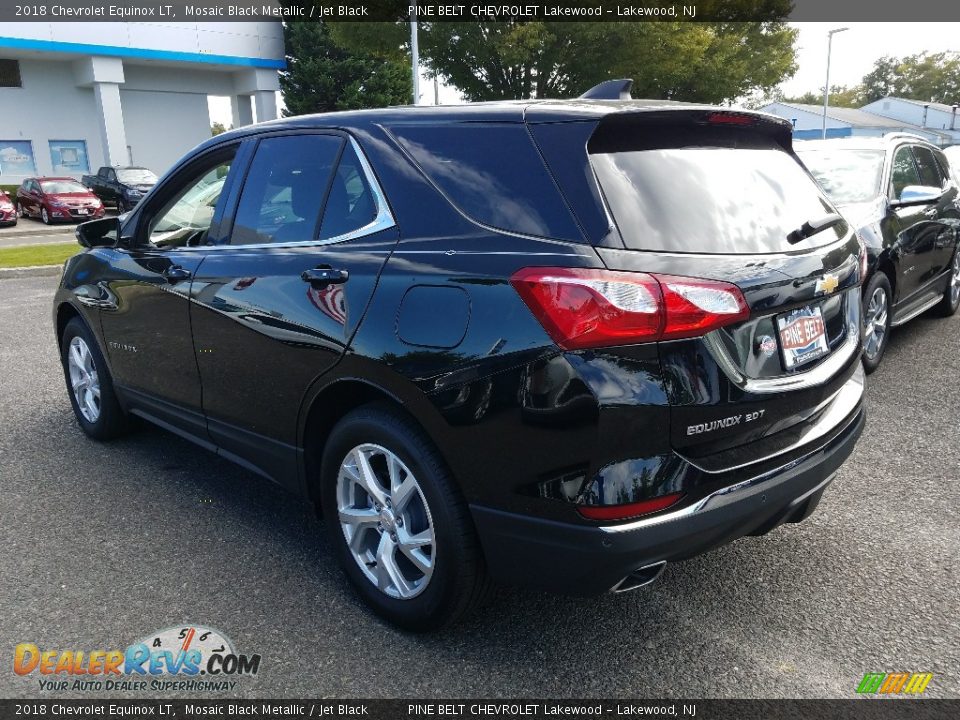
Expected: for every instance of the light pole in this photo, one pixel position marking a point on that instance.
(415, 57)
(826, 86)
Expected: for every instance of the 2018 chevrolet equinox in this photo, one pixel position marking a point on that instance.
(556, 343)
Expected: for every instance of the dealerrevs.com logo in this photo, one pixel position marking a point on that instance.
(186, 658)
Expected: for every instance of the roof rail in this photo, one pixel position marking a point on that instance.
(902, 134)
(610, 90)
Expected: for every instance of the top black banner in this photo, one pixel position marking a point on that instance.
(487, 11)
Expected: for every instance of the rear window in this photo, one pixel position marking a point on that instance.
(494, 174)
(846, 175)
(730, 194)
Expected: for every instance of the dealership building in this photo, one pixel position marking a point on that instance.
(76, 96)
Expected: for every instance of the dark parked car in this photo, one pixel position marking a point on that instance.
(897, 192)
(8, 212)
(552, 343)
(57, 198)
(123, 187)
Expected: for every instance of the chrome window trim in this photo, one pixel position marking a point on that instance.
(818, 375)
(383, 221)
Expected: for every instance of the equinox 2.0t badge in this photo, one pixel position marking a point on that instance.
(827, 284)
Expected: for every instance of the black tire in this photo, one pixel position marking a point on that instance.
(121, 207)
(459, 580)
(877, 284)
(45, 216)
(20, 213)
(951, 296)
(112, 421)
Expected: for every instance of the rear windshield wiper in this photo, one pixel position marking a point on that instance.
(812, 227)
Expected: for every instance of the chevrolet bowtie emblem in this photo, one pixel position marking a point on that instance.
(827, 284)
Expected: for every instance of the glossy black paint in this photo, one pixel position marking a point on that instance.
(913, 245)
(248, 350)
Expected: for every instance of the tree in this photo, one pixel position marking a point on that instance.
(217, 128)
(696, 61)
(322, 76)
(840, 96)
(928, 77)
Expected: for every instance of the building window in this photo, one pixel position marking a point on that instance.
(10, 73)
(69, 156)
(16, 158)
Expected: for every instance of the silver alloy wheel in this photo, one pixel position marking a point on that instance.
(875, 323)
(955, 280)
(386, 521)
(44, 215)
(84, 380)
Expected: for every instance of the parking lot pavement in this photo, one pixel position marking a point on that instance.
(28, 231)
(104, 543)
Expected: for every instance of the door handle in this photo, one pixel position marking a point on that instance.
(176, 273)
(324, 276)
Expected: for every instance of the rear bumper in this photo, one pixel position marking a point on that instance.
(588, 560)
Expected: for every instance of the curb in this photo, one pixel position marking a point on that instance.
(36, 271)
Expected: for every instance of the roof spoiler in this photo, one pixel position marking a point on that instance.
(610, 90)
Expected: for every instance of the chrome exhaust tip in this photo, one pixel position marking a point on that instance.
(640, 577)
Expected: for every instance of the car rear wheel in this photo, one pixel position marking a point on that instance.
(89, 384)
(44, 215)
(397, 522)
(876, 320)
(19, 210)
(951, 296)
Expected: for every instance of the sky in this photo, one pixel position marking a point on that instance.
(854, 52)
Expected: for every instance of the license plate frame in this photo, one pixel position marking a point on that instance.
(802, 336)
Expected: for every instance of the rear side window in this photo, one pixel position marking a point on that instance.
(725, 194)
(927, 165)
(350, 203)
(285, 188)
(494, 174)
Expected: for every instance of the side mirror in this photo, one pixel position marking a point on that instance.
(99, 233)
(918, 195)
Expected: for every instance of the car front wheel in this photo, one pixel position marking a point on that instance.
(89, 384)
(876, 320)
(397, 522)
(44, 215)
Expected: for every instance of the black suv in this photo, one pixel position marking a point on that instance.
(898, 194)
(557, 343)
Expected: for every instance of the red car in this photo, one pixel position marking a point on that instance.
(57, 198)
(8, 214)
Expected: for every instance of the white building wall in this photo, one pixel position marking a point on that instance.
(142, 86)
(912, 113)
(804, 120)
(163, 125)
(35, 112)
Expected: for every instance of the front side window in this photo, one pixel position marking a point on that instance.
(285, 188)
(904, 171)
(185, 220)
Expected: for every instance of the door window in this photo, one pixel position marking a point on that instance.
(350, 202)
(285, 189)
(927, 164)
(904, 171)
(185, 219)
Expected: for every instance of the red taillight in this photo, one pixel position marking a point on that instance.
(631, 510)
(586, 308)
(731, 118)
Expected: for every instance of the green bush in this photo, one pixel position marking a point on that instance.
(11, 190)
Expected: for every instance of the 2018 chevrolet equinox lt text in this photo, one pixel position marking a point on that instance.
(555, 343)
